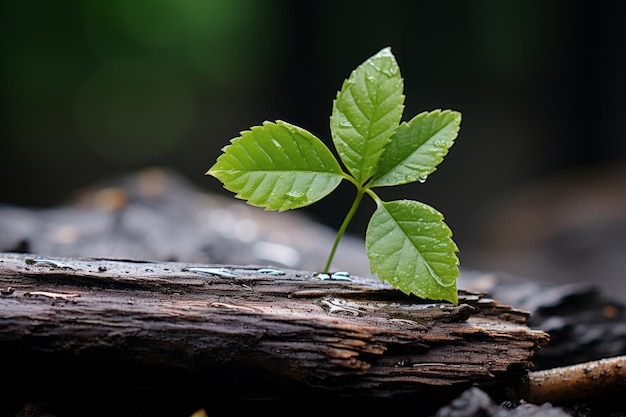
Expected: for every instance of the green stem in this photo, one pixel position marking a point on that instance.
(344, 225)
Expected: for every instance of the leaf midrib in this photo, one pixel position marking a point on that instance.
(432, 273)
(404, 162)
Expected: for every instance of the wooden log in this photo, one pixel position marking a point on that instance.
(247, 333)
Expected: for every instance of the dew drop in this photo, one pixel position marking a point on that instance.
(321, 276)
(341, 276)
(339, 306)
(391, 71)
(270, 271)
(50, 262)
(423, 177)
(220, 272)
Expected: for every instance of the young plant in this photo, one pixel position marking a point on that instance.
(280, 166)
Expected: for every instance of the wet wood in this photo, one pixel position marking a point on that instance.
(251, 331)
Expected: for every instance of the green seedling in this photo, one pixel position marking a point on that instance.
(279, 166)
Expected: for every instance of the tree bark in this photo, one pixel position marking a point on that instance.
(233, 332)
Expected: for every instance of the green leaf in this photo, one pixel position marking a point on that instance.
(277, 166)
(410, 247)
(366, 111)
(417, 147)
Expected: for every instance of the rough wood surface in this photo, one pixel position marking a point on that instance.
(241, 326)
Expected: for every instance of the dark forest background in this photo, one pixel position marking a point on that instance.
(93, 89)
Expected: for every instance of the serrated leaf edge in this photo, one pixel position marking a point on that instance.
(375, 181)
(431, 272)
(354, 160)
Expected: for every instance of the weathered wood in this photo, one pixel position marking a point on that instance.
(229, 327)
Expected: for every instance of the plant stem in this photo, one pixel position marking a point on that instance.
(344, 225)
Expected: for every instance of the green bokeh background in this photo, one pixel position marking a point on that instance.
(96, 88)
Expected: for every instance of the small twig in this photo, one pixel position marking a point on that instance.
(575, 382)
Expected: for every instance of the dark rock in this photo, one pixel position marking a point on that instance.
(476, 403)
(584, 323)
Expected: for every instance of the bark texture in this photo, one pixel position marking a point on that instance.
(247, 333)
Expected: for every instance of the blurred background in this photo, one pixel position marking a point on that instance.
(535, 185)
